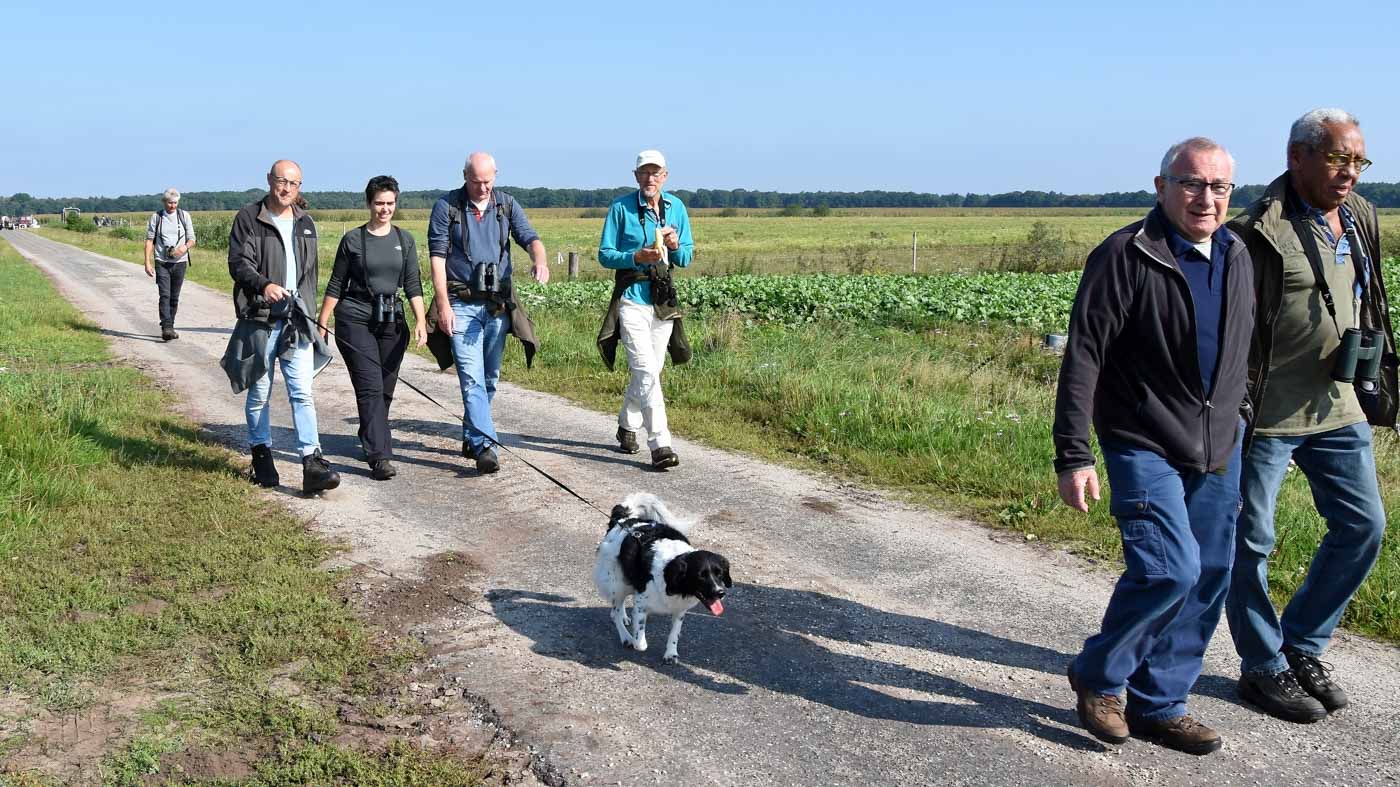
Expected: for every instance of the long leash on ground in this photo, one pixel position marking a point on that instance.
(296, 304)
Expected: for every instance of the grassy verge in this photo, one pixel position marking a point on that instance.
(955, 415)
(147, 593)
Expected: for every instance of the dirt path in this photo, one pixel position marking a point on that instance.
(865, 642)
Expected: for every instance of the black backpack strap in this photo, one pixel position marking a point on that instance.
(504, 207)
(403, 246)
(364, 259)
(1308, 236)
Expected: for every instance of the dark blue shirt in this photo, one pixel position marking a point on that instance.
(1206, 278)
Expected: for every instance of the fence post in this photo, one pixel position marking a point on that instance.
(573, 265)
(914, 261)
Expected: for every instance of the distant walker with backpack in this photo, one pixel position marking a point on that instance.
(169, 238)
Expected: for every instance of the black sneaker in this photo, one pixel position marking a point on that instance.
(627, 441)
(1281, 696)
(168, 334)
(1315, 677)
(317, 475)
(264, 469)
(382, 470)
(664, 457)
(486, 461)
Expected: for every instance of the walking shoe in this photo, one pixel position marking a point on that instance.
(317, 475)
(264, 469)
(168, 334)
(1182, 733)
(1316, 679)
(627, 441)
(1280, 695)
(486, 461)
(664, 457)
(382, 470)
(1101, 714)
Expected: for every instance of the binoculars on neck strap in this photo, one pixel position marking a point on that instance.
(1359, 359)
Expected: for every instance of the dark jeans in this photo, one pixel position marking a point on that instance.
(169, 279)
(1178, 529)
(372, 356)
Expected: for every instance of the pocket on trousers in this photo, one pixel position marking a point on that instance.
(1143, 551)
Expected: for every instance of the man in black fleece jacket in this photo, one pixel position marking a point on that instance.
(1157, 358)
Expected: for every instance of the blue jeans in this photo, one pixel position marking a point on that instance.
(478, 338)
(1178, 529)
(1341, 470)
(297, 370)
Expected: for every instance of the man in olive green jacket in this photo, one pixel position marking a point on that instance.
(1315, 244)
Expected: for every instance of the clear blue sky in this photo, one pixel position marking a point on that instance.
(982, 96)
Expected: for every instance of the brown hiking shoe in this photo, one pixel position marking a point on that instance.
(1101, 714)
(1182, 733)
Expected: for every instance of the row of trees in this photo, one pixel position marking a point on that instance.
(1385, 195)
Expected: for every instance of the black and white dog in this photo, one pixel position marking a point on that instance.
(646, 556)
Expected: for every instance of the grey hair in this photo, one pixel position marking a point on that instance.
(1196, 145)
(171, 194)
(1308, 129)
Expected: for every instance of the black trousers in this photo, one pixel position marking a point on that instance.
(372, 356)
(169, 279)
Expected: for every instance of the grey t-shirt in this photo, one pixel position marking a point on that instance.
(284, 228)
(382, 266)
(166, 229)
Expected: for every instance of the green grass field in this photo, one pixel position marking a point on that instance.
(143, 579)
(955, 415)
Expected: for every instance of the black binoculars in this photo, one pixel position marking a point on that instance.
(387, 309)
(1359, 358)
(663, 287)
(484, 278)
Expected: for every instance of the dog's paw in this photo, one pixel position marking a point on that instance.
(629, 644)
(640, 645)
(671, 658)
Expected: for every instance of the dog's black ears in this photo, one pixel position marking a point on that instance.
(724, 564)
(619, 513)
(674, 574)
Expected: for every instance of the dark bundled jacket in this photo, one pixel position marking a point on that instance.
(678, 348)
(256, 258)
(1131, 363)
(1270, 229)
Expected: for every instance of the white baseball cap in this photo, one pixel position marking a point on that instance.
(650, 157)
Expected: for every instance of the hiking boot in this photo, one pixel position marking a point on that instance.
(317, 475)
(664, 457)
(1101, 714)
(486, 461)
(1182, 733)
(168, 334)
(264, 469)
(1280, 695)
(1316, 679)
(627, 441)
(382, 470)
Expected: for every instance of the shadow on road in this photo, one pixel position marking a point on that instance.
(798, 642)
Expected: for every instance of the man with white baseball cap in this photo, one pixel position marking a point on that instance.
(645, 235)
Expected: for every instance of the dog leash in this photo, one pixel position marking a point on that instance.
(296, 306)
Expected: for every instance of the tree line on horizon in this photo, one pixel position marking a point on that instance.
(1384, 195)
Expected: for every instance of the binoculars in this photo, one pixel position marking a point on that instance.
(170, 252)
(387, 309)
(484, 279)
(663, 287)
(1359, 359)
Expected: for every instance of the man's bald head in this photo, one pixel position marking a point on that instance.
(284, 183)
(480, 176)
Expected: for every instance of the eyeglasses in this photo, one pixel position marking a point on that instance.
(1341, 161)
(1194, 186)
(296, 184)
(657, 175)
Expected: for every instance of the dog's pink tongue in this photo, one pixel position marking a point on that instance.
(716, 607)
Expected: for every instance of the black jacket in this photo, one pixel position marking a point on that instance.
(256, 258)
(1269, 227)
(1131, 363)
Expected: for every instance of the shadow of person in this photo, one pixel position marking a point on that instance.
(821, 648)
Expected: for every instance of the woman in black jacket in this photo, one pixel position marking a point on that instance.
(374, 261)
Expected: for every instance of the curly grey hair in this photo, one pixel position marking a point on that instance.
(1308, 129)
(171, 194)
(1194, 144)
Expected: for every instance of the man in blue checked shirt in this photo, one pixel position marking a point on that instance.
(1315, 244)
(643, 313)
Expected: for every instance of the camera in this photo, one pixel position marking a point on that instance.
(484, 279)
(387, 309)
(1359, 359)
(170, 253)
